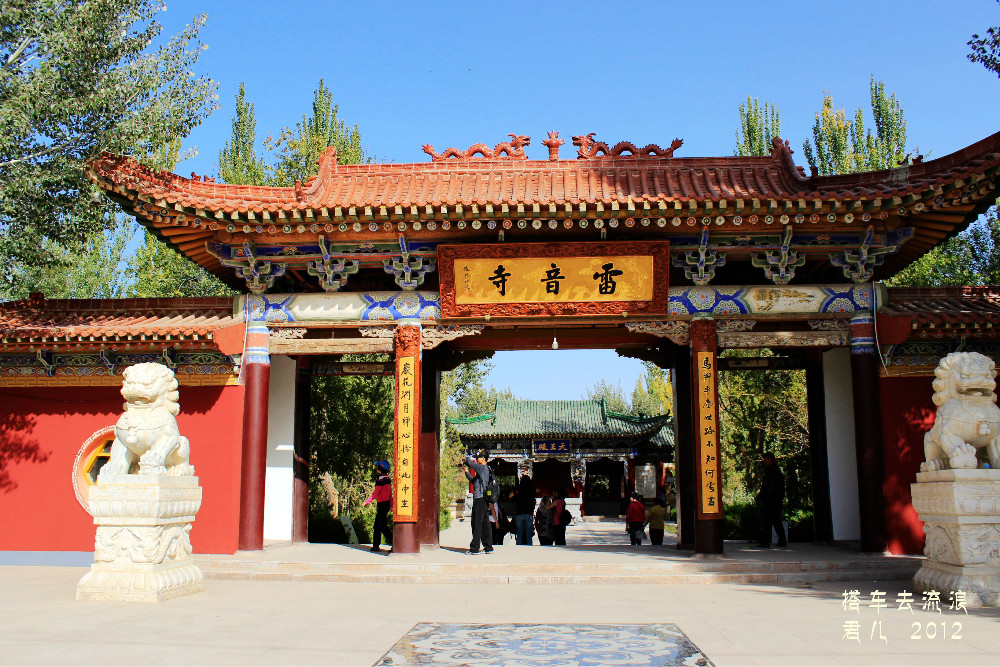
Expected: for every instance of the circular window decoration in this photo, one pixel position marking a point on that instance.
(461, 224)
(301, 229)
(866, 217)
(768, 219)
(583, 224)
(522, 224)
(813, 218)
(328, 228)
(446, 225)
(417, 226)
(372, 227)
(553, 224)
(507, 224)
(613, 223)
(287, 229)
(752, 219)
(598, 224)
(737, 220)
(568, 224)
(644, 222)
(799, 218)
(247, 229)
(432, 225)
(491, 224)
(356, 226)
(342, 227)
(630, 222)
(848, 218)
(94, 453)
(831, 217)
(536, 224)
(271, 229)
(476, 224)
(691, 221)
(784, 219)
(719, 219)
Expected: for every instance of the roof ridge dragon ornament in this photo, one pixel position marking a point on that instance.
(512, 150)
(588, 148)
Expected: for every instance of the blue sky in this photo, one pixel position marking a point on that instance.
(459, 73)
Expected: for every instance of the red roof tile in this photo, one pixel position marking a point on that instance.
(40, 319)
(945, 307)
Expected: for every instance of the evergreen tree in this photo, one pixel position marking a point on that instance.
(757, 128)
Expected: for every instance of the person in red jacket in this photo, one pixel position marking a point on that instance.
(382, 496)
(635, 518)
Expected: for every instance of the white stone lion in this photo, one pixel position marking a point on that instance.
(967, 417)
(147, 433)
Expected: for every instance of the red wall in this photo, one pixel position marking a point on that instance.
(907, 413)
(43, 429)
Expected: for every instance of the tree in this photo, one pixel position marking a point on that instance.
(757, 128)
(298, 152)
(986, 50)
(160, 271)
(841, 146)
(238, 160)
(612, 394)
(971, 258)
(79, 77)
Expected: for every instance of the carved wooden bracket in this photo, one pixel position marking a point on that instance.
(434, 336)
(676, 332)
(743, 339)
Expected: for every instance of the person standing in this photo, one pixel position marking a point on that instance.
(382, 497)
(524, 510)
(543, 521)
(477, 472)
(635, 518)
(769, 502)
(558, 519)
(655, 516)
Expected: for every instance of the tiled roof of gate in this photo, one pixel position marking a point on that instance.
(945, 307)
(38, 319)
(557, 418)
(573, 181)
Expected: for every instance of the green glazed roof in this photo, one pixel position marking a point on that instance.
(562, 418)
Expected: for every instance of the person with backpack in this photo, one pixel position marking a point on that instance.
(524, 510)
(560, 518)
(483, 483)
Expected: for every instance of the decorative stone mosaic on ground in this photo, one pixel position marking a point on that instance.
(550, 644)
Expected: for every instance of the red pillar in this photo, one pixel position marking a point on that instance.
(301, 455)
(705, 376)
(868, 432)
(406, 487)
(256, 378)
(428, 473)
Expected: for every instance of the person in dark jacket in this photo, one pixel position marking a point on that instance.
(477, 472)
(524, 510)
(382, 496)
(769, 502)
(558, 528)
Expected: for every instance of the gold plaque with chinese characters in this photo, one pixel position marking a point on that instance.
(556, 279)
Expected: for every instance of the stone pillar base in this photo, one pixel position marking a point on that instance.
(980, 583)
(142, 548)
(961, 514)
(139, 582)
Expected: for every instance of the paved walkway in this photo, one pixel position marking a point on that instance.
(324, 623)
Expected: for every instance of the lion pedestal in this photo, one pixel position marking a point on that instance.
(961, 514)
(957, 493)
(145, 500)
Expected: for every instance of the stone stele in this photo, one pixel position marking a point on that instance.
(145, 500)
(957, 494)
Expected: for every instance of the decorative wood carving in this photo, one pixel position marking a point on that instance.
(735, 325)
(407, 341)
(703, 335)
(783, 339)
(676, 331)
(659, 250)
(434, 336)
(379, 332)
(287, 333)
(828, 325)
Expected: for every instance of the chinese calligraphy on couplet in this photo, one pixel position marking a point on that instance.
(708, 432)
(404, 494)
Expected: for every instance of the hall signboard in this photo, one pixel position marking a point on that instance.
(561, 446)
(557, 279)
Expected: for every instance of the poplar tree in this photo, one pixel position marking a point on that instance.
(758, 126)
(238, 160)
(842, 146)
(986, 50)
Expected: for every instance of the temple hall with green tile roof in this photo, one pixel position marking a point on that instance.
(597, 456)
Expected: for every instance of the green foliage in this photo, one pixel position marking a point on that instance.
(741, 521)
(78, 77)
(757, 128)
(652, 394)
(971, 258)
(612, 394)
(238, 160)
(841, 146)
(765, 411)
(986, 50)
(351, 427)
(160, 271)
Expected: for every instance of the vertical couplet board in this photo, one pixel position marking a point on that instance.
(407, 424)
(707, 439)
